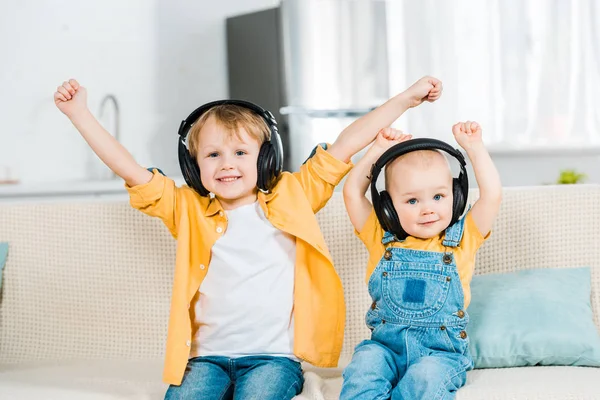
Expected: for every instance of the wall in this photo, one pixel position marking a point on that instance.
(160, 59)
(105, 45)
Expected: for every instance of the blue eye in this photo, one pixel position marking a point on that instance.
(240, 153)
(213, 155)
(437, 197)
(412, 201)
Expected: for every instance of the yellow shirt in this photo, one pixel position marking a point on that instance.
(197, 222)
(464, 253)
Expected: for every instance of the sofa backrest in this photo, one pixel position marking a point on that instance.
(84, 281)
(93, 280)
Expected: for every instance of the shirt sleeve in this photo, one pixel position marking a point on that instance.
(319, 175)
(472, 238)
(157, 198)
(371, 235)
(372, 232)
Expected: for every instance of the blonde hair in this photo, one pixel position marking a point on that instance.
(232, 118)
(419, 158)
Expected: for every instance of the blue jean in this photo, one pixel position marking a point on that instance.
(243, 378)
(419, 349)
(378, 373)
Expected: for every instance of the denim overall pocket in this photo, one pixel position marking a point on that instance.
(415, 294)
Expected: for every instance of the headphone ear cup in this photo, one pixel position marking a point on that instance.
(460, 200)
(264, 167)
(277, 152)
(195, 178)
(270, 158)
(389, 217)
(190, 170)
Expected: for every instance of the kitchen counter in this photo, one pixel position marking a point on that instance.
(113, 189)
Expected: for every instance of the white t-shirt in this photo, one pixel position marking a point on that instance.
(245, 304)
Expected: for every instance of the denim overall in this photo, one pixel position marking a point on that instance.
(419, 347)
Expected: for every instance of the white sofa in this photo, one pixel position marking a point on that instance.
(86, 290)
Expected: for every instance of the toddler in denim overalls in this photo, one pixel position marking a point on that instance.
(421, 262)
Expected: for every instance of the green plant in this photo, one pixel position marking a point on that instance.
(570, 176)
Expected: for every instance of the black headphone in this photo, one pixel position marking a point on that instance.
(270, 156)
(382, 202)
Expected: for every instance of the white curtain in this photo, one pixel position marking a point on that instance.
(527, 70)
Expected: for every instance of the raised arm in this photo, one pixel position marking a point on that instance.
(358, 181)
(364, 130)
(71, 100)
(485, 209)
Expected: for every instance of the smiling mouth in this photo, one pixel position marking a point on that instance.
(228, 179)
(427, 223)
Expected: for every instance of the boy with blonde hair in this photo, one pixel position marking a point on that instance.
(254, 290)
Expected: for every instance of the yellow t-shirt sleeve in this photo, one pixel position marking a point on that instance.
(320, 175)
(371, 232)
(371, 235)
(472, 238)
(157, 198)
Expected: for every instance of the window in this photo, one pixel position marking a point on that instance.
(527, 70)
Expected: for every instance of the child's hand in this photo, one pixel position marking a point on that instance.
(387, 137)
(467, 134)
(70, 98)
(425, 89)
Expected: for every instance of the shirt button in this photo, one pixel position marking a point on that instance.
(447, 258)
(373, 306)
(463, 334)
(219, 229)
(387, 255)
(460, 314)
(202, 266)
(188, 343)
(443, 327)
(221, 213)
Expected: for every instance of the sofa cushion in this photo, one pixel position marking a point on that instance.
(83, 380)
(533, 317)
(532, 383)
(105, 380)
(527, 383)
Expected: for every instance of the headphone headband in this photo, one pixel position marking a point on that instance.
(409, 146)
(187, 123)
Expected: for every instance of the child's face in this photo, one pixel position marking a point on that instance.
(422, 196)
(228, 164)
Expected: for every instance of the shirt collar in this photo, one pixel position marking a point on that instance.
(214, 206)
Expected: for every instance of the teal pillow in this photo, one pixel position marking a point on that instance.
(533, 317)
(3, 255)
